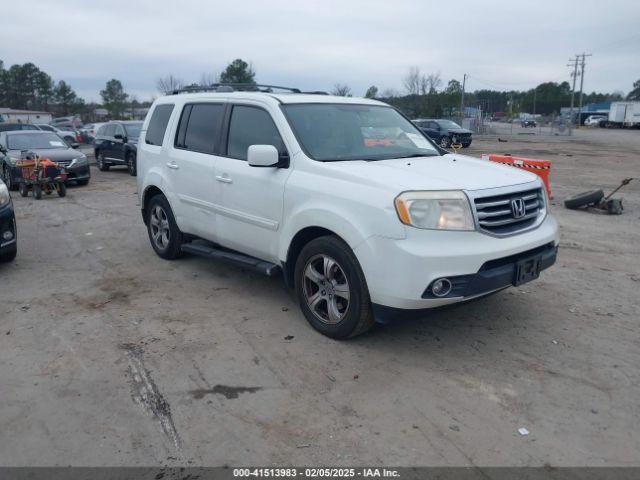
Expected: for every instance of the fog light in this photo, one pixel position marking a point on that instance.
(8, 235)
(441, 287)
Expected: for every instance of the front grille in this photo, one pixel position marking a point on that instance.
(495, 214)
(63, 163)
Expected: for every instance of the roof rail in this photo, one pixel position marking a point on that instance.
(232, 87)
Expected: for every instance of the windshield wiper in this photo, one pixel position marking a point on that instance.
(416, 155)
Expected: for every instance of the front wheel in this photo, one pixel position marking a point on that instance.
(164, 234)
(445, 142)
(62, 189)
(37, 192)
(8, 178)
(24, 190)
(103, 166)
(131, 164)
(332, 290)
(9, 255)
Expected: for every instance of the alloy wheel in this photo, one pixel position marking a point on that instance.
(159, 224)
(326, 289)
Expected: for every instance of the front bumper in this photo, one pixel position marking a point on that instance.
(398, 272)
(82, 172)
(7, 224)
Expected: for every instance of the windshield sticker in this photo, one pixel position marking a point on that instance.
(55, 143)
(419, 141)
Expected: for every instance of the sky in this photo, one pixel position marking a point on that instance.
(313, 45)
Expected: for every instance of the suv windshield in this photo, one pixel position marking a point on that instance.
(334, 132)
(133, 129)
(35, 140)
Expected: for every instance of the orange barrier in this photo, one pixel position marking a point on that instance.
(542, 168)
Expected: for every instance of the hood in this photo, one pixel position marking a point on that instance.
(53, 154)
(447, 172)
(459, 130)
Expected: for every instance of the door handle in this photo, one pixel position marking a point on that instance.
(223, 179)
(173, 165)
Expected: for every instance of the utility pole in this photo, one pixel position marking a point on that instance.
(573, 88)
(464, 81)
(535, 93)
(581, 84)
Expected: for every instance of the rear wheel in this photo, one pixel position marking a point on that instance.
(103, 166)
(24, 190)
(164, 234)
(332, 290)
(131, 164)
(37, 192)
(62, 189)
(445, 142)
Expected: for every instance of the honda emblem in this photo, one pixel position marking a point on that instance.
(518, 208)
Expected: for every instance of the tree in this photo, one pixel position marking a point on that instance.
(430, 83)
(412, 81)
(64, 97)
(453, 87)
(341, 90)
(114, 98)
(168, 84)
(207, 79)
(635, 93)
(238, 71)
(372, 92)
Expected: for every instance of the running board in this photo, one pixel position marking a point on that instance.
(244, 261)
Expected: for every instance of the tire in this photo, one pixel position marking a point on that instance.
(62, 190)
(24, 190)
(131, 164)
(164, 234)
(9, 255)
(103, 166)
(444, 142)
(8, 179)
(333, 315)
(37, 192)
(584, 199)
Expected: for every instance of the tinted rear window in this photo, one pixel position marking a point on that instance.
(200, 127)
(158, 124)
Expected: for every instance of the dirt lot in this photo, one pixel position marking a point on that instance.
(112, 356)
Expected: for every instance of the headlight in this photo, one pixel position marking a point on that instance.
(4, 195)
(442, 210)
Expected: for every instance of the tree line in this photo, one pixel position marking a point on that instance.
(29, 88)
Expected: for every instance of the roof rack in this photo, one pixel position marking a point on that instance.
(233, 87)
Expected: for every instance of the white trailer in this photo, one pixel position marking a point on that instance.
(624, 114)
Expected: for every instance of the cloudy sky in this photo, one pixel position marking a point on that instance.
(316, 44)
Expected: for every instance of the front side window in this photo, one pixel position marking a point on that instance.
(338, 132)
(133, 129)
(199, 127)
(119, 130)
(251, 126)
(158, 124)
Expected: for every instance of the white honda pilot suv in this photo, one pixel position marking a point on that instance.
(354, 206)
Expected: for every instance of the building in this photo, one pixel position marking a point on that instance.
(24, 116)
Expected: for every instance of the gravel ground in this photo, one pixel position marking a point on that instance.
(112, 356)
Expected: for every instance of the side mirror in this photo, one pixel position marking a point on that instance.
(74, 145)
(118, 136)
(262, 156)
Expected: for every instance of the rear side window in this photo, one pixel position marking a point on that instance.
(158, 124)
(251, 126)
(109, 130)
(200, 127)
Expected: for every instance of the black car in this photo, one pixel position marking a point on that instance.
(528, 123)
(8, 234)
(444, 132)
(44, 144)
(116, 144)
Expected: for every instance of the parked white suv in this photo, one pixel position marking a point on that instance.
(361, 213)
